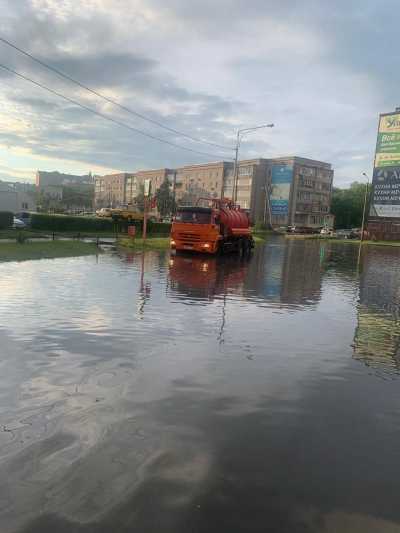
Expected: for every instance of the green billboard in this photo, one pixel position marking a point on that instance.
(388, 143)
(385, 198)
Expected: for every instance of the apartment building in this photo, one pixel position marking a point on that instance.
(109, 190)
(51, 184)
(300, 192)
(16, 197)
(115, 190)
(252, 177)
(195, 181)
(280, 191)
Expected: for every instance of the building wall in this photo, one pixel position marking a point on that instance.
(44, 178)
(14, 200)
(309, 197)
(310, 193)
(110, 190)
(115, 190)
(252, 177)
(194, 181)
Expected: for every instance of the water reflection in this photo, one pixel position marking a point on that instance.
(377, 336)
(287, 273)
(203, 277)
(152, 393)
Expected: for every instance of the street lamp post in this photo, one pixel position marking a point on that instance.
(363, 215)
(239, 135)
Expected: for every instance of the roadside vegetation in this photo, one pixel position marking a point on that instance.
(347, 205)
(45, 250)
(153, 243)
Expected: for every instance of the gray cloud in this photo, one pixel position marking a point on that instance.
(321, 72)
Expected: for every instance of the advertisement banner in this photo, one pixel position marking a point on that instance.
(388, 142)
(385, 200)
(281, 181)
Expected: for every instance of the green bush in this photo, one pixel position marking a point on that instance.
(60, 223)
(159, 228)
(260, 226)
(55, 223)
(6, 219)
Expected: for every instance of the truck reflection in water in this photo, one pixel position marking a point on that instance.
(204, 277)
(377, 336)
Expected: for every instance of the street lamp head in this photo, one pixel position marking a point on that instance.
(270, 125)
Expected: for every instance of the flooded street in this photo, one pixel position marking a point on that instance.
(190, 394)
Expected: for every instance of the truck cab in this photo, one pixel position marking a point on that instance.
(196, 229)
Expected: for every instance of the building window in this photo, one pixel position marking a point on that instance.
(244, 171)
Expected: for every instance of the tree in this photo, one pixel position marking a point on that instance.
(347, 205)
(165, 199)
(139, 200)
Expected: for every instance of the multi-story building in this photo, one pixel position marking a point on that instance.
(51, 184)
(300, 192)
(16, 197)
(157, 177)
(195, 181)
(110, 190)
(115, 190)
(252, 177)
(282, 191)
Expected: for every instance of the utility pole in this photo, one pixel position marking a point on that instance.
(235, 167)
(239, 135)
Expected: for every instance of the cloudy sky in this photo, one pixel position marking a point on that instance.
(321, 71)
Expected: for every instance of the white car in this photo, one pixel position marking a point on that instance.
(18, 223)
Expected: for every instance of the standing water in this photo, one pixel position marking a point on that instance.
(185, 394)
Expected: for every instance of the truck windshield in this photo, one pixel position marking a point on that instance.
(193, 217)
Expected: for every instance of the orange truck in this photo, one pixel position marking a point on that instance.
(221, 227)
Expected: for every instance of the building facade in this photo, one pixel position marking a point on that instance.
(279, 192)
(300, 192)
(252, 180)
(110, 190)
(15, 197)
(196, 181)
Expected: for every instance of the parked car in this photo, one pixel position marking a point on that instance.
(345, 234)
(24, 216)
(18, 223)
(103, 212)
(302, 230)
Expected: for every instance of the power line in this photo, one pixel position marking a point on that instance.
(110, 100)
(116, 121)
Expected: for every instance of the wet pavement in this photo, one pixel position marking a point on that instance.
(191, 394)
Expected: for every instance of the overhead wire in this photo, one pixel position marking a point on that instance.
(107, 117)
(110, 100)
